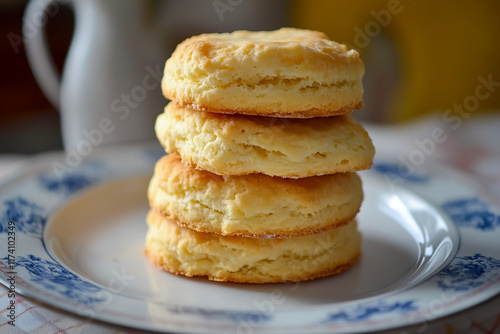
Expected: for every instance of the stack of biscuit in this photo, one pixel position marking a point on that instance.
(259, 183)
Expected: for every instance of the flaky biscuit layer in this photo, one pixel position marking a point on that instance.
(240, 144)
(183, 251)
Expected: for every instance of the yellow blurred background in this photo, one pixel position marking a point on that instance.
(420, 55)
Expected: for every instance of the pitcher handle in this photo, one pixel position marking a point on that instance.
(37, 49)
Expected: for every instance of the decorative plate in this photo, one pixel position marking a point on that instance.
(72, 235)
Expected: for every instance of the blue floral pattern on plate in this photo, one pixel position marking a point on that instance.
(366, 311)
(395, 171)
(233, 316)
(28, 216)
(468, 272)
(72, 181)
(55, 277)
(473, 213)
(67, 185)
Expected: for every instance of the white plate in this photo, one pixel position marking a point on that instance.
(430, 249)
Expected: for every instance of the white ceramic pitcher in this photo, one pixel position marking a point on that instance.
(109, 91)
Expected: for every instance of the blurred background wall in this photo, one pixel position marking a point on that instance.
(421, 56)
(28, 123)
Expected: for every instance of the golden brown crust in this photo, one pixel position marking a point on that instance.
(287, 73)
(281, 113)
(253, 205)
(182, 251)
(240, 144)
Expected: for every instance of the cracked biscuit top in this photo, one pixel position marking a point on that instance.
(284, 73)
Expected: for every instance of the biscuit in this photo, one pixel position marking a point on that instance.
(286, 147)
(253, 205)
(183, 251)
(284, 73)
